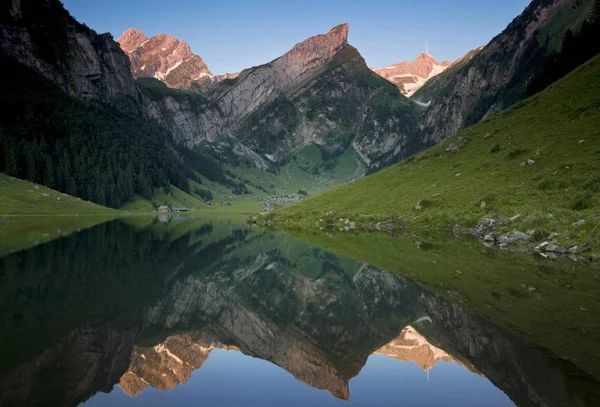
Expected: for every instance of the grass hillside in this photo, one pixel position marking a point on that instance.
(19, 197)
(558, 130)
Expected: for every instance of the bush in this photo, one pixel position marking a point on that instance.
(495, 148)
(583, 200)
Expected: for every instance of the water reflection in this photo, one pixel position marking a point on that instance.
(132, 310)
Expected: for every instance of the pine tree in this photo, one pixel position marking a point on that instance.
(49, 175)
(10, 162)
(30, 171)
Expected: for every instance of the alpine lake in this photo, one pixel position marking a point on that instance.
(190, 310)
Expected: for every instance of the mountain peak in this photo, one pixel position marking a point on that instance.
(340, 29)
(166, 58)
(410, 76)
(131, 39)
(425, 56)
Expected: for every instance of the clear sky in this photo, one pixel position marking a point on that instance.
(231, 35)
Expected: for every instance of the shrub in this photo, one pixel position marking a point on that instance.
(583, 200)
(495, 148)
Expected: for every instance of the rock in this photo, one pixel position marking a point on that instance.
(513, 237)
(352, 225)
(552, 236)
(503, 245)
(456, 229)
(531, 232)
(514, 218)
(579, 223)
(418, 206)
(581, 141)
(458, 145)
(577, 249)
(530, 162)
(523, 164)
(542, 245)
(489, 239)
(552, 256)
(36, 186)
(482, 204)
(555, 249)
(58, 198)
(458, 174)
(530, 288)
(45, 194)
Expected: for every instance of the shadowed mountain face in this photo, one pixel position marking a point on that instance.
(101, 318)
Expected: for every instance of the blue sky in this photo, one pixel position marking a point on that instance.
(231, 35)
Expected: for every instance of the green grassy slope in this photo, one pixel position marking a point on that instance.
(557, 128)
(19, 197)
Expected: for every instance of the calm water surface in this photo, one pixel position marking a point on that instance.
(192, 312)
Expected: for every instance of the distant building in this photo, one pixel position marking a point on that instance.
(181, 209)
(163, 208)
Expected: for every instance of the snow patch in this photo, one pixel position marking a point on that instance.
(173, 67)
(422, 104)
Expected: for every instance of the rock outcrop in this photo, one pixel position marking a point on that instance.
(43, 36)
(168, 59)
(411, 76)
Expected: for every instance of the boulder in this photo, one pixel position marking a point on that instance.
(579, 223)
(513, 237)
(489, 239)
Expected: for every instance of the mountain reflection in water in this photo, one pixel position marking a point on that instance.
(119, 313)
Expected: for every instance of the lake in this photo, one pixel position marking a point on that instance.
(190, 311)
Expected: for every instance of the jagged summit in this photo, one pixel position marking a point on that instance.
(410, 76)
(168, 59)
(314, 51)
(131, 39)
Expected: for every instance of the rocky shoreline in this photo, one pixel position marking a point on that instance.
(487, 231)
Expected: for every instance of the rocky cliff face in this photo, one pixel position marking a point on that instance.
(411, 76)
(168, 59)
(496, 77)
(320, 92)
(43, 36)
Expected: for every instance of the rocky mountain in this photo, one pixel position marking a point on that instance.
(497, 76)
(319, 93)
(411, 76)
(168, 59)
(43, 36)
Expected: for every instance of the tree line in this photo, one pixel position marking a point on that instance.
(99, 153)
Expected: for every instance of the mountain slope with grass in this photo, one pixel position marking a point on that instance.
(536, 162)
(498, 75)
(18, 197)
